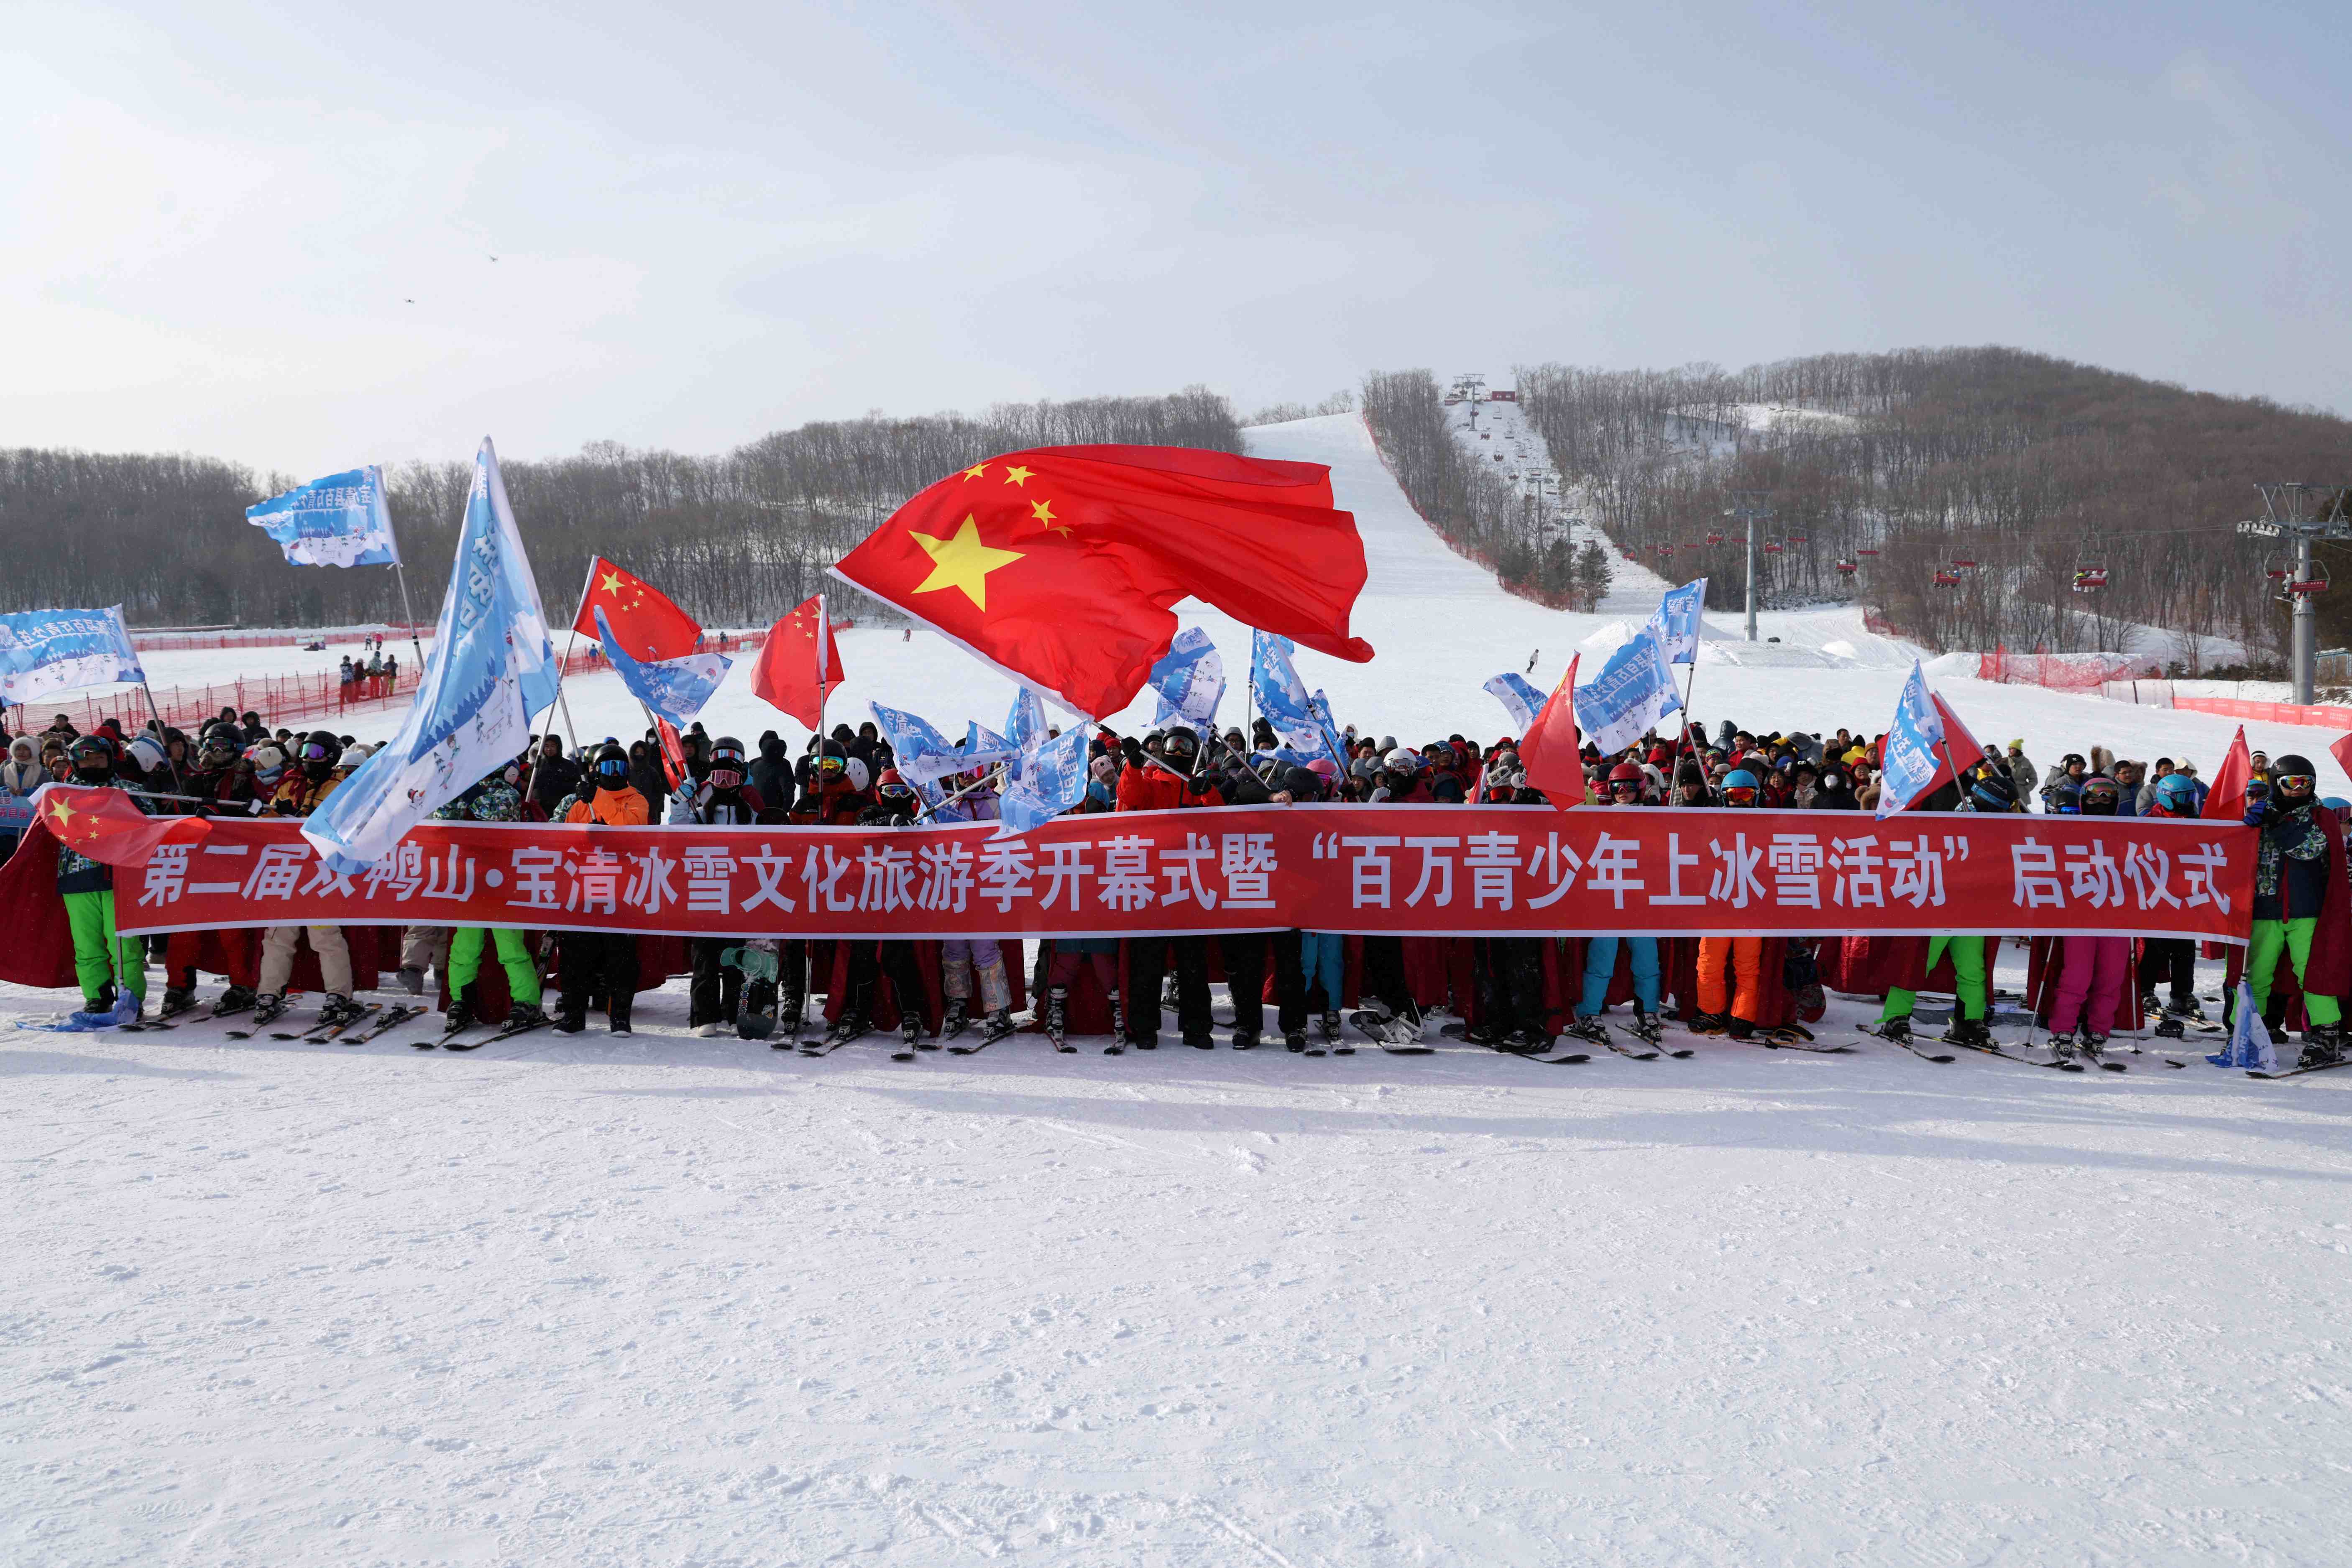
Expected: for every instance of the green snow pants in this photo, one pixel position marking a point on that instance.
(97, 950)
(2261, 963)
(1967, 970)
(466, 962)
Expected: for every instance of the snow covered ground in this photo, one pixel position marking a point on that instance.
(668, 1301)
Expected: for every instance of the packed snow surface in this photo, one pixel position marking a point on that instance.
(674, 1300)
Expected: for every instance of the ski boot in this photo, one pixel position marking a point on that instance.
(996, 1026)
(1534, 1041)
(569, 1020)
(341, 1012)
(2062, 1045)
(1589, 1030)
(2187, 1012)
(1246, 1040)
(1895, 1031)
(177, 999)
(2171, 1028)
(2092, 1046)
(847, 1028)
(1296, 1040)
(525, 1015)
(267, 1008)
(1057, 1018)
(1330, 1024)
(1488, 1035)
(2323, 1046)
(1739, 1028)
(1646, 1027)
(958, 1017)
(236, 999)
(791, 1012)
(619, 1018)
(1148, 1042)
(1199, 1039)
(911, 1033)
(412, 980)
(1709, 1022)
(1968, 1032)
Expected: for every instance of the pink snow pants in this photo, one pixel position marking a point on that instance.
(2095, 969)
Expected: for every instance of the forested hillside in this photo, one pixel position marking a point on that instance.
(2033, 469)
(735, 539)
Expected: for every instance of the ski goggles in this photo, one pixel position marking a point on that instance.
(726, 778)
(1625, 786)
(1739, 795)
(312, 752)
(831, 765)
(2295, 783)
(897, 789)
(613, 768)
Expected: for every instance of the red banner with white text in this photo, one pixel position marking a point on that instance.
(1408, 869)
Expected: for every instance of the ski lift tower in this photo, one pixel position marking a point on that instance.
(2287, 508)
(1472, 388)
(1750, 506)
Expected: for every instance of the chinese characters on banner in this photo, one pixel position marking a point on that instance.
(1433, 870)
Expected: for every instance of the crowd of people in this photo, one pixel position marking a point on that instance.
(1514, 993)
(370, 678)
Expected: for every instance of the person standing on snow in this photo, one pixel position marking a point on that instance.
(960, 958)
(2170, 958)
(1990, 790)
(106, 963)
(1161, 785)
(1628, 786)
(496, 798)
(2091, 983)
(1730, 968)
(600, 961)
(305, 787)
(2299, 902)
(725, 798)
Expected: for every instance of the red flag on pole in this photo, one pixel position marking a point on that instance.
(2227, 796)
(2341, 750)
(1551, 752)
(1959, 749)
(643, 622)
(798, 663)
(1062, 565)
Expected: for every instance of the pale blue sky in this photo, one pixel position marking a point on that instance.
(711, 223)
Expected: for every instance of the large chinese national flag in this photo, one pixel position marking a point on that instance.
(1551, 752)
(1062, 565)
(643, 622)
(797, 663)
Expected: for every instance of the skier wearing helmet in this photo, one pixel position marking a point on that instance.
(2300, 914)
(2088, 982)
(1628, 786)
(2171, 960)
(600, 962)
(1725, 1007)
(109, 966)
(308, 782)
(723, 797)
(964, 959)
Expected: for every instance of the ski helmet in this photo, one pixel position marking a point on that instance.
(319, 752)
(1628, 775)
(1740, 787)
(221, 745)
(147, 754)
(612, 766)
(1992, 793)
(891, 787)
(1401, 763)
(1181, 744)
(856, 772)
(93, 758)
(727, 762)
(2100, 795)
(2176, 795)
(2294, 776)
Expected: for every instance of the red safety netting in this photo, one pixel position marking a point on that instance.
(2062, 671)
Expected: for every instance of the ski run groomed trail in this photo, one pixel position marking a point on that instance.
(668, 1301)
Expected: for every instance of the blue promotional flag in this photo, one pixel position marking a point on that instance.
(1333, 747)
(676, 689)
(1676, 620)
(1047, 781)
(1520, 699)
(1909, 761)
(1026, 725)
(982, 747)
(340, 521)
(922, 754)
(491, 668)
(1633, 690)
(46, 651)
(1191, 679)
(1281, 695)
(2251, 1046)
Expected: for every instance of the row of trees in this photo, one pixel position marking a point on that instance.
(735, 539)
(2033, 467)
(1524, 538)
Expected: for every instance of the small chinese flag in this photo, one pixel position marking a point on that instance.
(798, 662)
(2227, 797)
(1551, 752)
(1062, 565)
(106, 826)
(643, 622)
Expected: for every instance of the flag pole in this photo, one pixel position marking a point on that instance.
(571, 731)
(1681, 736)
(160, 740)
(409, 610)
